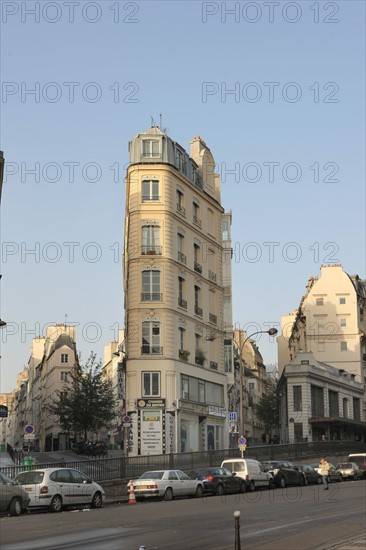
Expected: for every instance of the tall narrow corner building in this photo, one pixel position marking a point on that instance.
(177, 284)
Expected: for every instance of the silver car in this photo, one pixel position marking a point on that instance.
(13, 498)
(165, 484)
(350, 470)
(56, 488)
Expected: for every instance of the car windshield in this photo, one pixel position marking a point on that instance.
(344, 465)
(26, 478)
(152, 475)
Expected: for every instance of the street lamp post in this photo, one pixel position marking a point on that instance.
(272, 332)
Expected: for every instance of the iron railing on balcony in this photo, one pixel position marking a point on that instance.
(182, 257)
(197, 221)
(150, 250)
(151, 297)
(197, 267)
(198, 311)
(152, 198)
(182, 303)
(212, 318)
(181, 209)
(151, 350)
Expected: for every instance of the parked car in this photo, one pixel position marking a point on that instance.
(350, 470)
(165, 484)
(360, 459)
(334, 474)
(284, 473)
(13, 497)
(218, 481)
(56, 488)
(310, 475)
(251, 471)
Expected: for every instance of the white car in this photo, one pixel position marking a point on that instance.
(56, 488)
(165, 484)
(350, 470)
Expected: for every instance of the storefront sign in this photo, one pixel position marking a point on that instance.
(147, 403)
(151, 434)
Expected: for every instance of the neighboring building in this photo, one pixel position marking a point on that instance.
(52, 359)
(319, 401)
(176, 385)
(254, 384)
(330, 322)
(114, 369)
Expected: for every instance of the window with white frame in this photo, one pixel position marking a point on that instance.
(64, 357)
(151, 148)
(196, 213)
(150, 384)
(150, 239)
(181, 338)
(64, 376)
(151, 337)
(180, 244)
(180, 202)
(150, 286)
(181, 300)
(150, 190)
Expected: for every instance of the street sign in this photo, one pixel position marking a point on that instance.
(233, 417)
(28, 437)
(126, 425)
(242, 440)
(126, 418)
(29, 429)
(242, 448)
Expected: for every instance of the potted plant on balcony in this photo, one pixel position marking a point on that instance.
(200, 357)
(184, 354)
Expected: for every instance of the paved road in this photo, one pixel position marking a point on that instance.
(306, 518)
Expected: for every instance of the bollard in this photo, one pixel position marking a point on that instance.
(237, 530)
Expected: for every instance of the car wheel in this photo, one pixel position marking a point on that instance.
(168, 495)
(340, 479)
(199, 492)
(219, 490)
(243, 487)
(56, 504)
(252, 486)
(282, 483)
(15, 508)
(97, 500)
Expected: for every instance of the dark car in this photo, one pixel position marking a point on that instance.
(218, 481)
(13, 497)
(334, 474)
(284, 473)
(311, 475)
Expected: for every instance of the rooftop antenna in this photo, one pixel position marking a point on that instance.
(152, 123)
(161, 124)
(65, 319)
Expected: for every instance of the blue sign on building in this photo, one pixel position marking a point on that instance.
(233, 416)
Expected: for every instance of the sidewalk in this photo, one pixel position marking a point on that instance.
(355, 543)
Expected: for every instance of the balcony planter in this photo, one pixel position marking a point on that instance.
(200, 357)
(184, 354)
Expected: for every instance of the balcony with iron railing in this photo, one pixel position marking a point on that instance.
(212, 318)
(151, 250)
(182, 257)
(212, 276)
(198, 267)
(198, 311)
(151, 297)
(197, 221)
(151, 350)
(181, 209)
(182, 303)
(150, 198)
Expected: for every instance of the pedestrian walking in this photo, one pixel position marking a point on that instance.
(324, 470)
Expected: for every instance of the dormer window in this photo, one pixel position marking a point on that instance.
(151, 148)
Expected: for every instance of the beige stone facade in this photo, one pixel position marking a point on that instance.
(52, 359)
(330, 322)
(176, 385)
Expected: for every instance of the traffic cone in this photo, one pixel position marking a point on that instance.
(131, 494)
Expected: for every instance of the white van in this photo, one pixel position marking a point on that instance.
(250, 470)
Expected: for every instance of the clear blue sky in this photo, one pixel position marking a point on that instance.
(299, 82)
